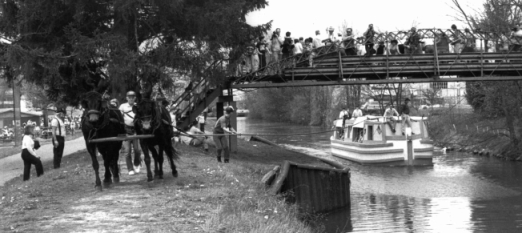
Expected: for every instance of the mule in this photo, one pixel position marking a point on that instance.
(152, 118)
(99, 121)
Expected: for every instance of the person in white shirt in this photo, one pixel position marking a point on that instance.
(344, 115)
(195, 141)
(357, 112)
(29, 154)
(388, 116)
(201, 121)
(128, 118)
(298, 47)
(318, 42)
(58, 129)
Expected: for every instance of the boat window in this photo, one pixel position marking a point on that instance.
(370, 132)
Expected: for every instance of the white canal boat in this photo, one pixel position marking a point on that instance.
(370, 140)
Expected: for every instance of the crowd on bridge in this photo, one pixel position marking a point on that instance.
(263, 51)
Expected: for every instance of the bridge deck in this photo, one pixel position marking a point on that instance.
(333, 67)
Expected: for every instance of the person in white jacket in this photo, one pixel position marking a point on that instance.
(29, 154)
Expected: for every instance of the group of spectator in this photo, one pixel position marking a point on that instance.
(30, 145)
(260, 51)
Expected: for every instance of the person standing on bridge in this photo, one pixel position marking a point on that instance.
(318, 42)
(58, 137)
(275, 46)
(405, 111)
(469, 42)
(456, 39)
(223, 125)
(515, 39)
(369, 39)
(413, 42)
(349, 43)
(29, 156)
(128, 118)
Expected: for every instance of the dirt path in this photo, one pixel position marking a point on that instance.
(206, 197)
(12, 166)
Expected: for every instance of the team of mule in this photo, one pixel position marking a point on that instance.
(100, 121)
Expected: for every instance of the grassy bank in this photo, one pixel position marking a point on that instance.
(207, 197)
(11, 150)
(472, 133)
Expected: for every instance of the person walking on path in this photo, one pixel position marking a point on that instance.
(29, 153)
(58, 129)
(405, 111)
(128, 118)
(222, 126)
(388, 116)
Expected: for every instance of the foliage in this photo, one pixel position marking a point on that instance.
(75, 46)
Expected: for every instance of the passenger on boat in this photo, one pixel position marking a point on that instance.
(344, 115)
(357, 112)
(405, 111)
(388, 116)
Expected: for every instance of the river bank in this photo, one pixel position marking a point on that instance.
(474, 134)
(206, 197)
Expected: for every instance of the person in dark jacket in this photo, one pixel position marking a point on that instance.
(405, 111)
(413, 41)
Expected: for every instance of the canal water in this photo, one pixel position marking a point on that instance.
(460, 193)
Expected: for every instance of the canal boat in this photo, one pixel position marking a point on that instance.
(371, 140)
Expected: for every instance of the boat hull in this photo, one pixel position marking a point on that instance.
(391, 153)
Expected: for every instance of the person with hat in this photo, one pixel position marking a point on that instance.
(59, 132)
(331, 37)
(405, 113)
(128, 118)
(221, 127)
(29, 147)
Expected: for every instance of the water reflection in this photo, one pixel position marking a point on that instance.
(460, 193)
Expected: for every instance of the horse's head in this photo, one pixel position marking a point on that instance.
(92, 103)
(146, 113)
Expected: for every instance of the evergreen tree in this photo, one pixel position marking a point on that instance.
(70, 47)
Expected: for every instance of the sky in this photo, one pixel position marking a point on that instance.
(303, 17)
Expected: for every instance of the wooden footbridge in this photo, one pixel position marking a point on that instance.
(330, 66)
